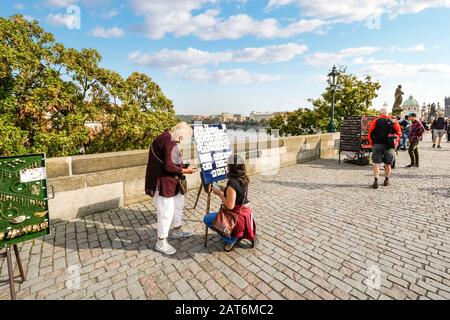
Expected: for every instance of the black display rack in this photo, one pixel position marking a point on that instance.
(354, 137)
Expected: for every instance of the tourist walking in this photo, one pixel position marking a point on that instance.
(384, 136)
(404, 125)
(415, 136)
(234, 198)
(439, 127)
(163, 182)
(448, 130)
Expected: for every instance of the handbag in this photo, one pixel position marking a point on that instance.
(225, 220)
(181, 182)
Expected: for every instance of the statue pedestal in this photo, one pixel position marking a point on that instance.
(396, 111)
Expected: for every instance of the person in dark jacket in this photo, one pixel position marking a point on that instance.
(379, 133)
(164, 169)
(404, 124)
(439, 127)
(448, 130)
(415, 136)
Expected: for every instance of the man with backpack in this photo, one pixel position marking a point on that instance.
(415, 136)
(384, 136)
(439, 127)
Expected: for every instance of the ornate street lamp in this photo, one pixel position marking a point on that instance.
(332, 80)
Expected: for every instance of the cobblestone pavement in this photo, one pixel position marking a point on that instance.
(324, 234)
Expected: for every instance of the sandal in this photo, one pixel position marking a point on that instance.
(228, 247)
(248, 244)
(254, 242)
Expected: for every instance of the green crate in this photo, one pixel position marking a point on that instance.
(23, 200)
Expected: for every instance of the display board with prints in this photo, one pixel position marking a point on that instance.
(23, 199)
(213, 148)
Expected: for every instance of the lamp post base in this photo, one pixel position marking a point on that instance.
(331, 127)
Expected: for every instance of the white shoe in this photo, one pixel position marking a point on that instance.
(164, 247)
(177, 234)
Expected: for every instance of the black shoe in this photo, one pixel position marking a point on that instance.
(375, 184)
(439, 147)
(434, 145)
(410, 166)
(416, 166)
(386, 182)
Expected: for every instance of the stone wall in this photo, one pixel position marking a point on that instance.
(94, 183)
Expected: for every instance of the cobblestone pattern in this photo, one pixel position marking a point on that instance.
(322, 233)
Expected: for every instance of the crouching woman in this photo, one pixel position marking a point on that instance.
(234, 198)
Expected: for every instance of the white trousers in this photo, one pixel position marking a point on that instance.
(169, 212)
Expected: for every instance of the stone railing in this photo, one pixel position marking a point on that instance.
(94, 183)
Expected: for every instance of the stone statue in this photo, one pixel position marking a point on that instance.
(397, 108)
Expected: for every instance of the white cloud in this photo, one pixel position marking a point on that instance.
(181, 59)
(416, 48)
(29, 18)
(162, 17)
(397, 70)
(358, 55)
(19, 6)
(271, 54)
(59, 3)
(60, 19)
(101, 32)
(109, 14)
(371, 60)
(329, 58)
(233, 76)
(358, 10)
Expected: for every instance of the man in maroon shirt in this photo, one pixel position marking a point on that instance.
(164, 168)
(415, 136)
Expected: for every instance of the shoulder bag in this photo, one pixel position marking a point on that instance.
(225, 220)
(182, 182)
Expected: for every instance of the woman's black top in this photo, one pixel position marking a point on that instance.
(240, 191)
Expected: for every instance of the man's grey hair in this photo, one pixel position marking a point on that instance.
(384, 111)
(181, 132)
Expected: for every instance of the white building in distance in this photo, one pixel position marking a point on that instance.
(411, 105)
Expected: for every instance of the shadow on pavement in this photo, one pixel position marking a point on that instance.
(313, 186)
(126, 229)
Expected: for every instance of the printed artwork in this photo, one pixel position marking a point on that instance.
(213, 148)
(23, 199)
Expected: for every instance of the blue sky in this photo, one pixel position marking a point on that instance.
(213, 56)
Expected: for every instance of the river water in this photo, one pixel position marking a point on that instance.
(240, 135)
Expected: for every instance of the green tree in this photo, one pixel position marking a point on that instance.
(353, 97)
(299, 122)
(48, 93)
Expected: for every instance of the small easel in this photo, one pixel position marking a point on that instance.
(208, 190)
(8, 256)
